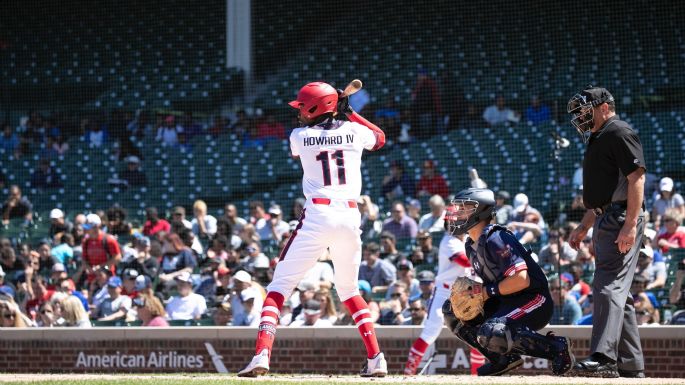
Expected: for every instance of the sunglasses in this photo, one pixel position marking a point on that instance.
(395, 295)
(8, 316)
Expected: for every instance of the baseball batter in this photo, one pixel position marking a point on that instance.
(330, 151)
(452, 263)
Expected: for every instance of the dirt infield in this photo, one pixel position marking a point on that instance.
(230, 379)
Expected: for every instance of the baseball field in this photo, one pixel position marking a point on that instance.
(230, 379)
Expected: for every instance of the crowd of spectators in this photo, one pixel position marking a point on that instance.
(100, 269)
(213, 268)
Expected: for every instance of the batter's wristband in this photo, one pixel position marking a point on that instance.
(492, 290)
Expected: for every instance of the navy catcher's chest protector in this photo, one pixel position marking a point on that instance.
(498, 255)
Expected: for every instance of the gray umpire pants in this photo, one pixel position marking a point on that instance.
(614, 325)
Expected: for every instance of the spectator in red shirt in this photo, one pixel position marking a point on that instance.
(38, 293)
(581, 288)
(269, 128)
(431, 183)
(672, 236)
(154, 224)
(98, 249)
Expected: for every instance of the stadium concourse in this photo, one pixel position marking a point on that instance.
(145, 186)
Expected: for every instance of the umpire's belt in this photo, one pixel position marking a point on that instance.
(613, 206)
(325, 201)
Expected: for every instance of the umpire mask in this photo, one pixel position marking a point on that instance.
(582, 115)
(581, 107)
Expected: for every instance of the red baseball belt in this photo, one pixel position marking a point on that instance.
(327, 202)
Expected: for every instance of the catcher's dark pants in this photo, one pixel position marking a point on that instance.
(533, 310)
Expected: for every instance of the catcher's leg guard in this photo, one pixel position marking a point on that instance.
(498, 363)
(555, 349)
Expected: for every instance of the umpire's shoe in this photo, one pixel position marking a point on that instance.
(596, 366)
(505, 363)
(375, 367)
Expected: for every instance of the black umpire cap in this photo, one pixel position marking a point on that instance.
(597, 95)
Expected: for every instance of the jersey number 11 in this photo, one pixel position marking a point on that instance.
(326, 169)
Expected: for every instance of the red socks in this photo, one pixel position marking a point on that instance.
(418, 349)
(477, 360)
(362, 318)
(267, 327)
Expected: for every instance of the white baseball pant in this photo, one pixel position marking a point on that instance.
(435, 319)
(333, 225)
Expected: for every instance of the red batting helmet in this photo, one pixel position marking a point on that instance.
(315, 99)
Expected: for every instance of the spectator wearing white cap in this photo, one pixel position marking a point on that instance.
(133, 175)
(435, 220)
(58, 225)
(666, 199)
(648, 267)
(527, 223)
(187, 305)
(274, 227)
(246, 300)
(58, 273)
(98, 249)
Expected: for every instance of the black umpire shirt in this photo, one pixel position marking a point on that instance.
(612, 153)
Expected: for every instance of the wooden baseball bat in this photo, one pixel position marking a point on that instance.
(354, 86)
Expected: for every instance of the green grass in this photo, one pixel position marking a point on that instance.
(231, 379)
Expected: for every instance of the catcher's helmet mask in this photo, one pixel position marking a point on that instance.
(468, 208)
(581, 107)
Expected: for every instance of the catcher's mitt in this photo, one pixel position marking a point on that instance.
(466, 298)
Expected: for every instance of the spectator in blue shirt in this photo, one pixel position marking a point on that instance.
(400, 224)
(9, 141)
(379, 273)
(537, 112)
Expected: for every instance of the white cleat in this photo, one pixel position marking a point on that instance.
(375, 367)
(258, 366)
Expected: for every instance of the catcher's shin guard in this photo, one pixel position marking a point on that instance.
(555, 349)
(498, 363)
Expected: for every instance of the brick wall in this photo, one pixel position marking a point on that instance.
(336, 350)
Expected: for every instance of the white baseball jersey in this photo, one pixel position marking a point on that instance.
(331, 158)
(450, 249)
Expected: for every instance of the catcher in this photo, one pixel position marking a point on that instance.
(500, 316)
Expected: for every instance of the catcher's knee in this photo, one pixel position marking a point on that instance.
(495, 335)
